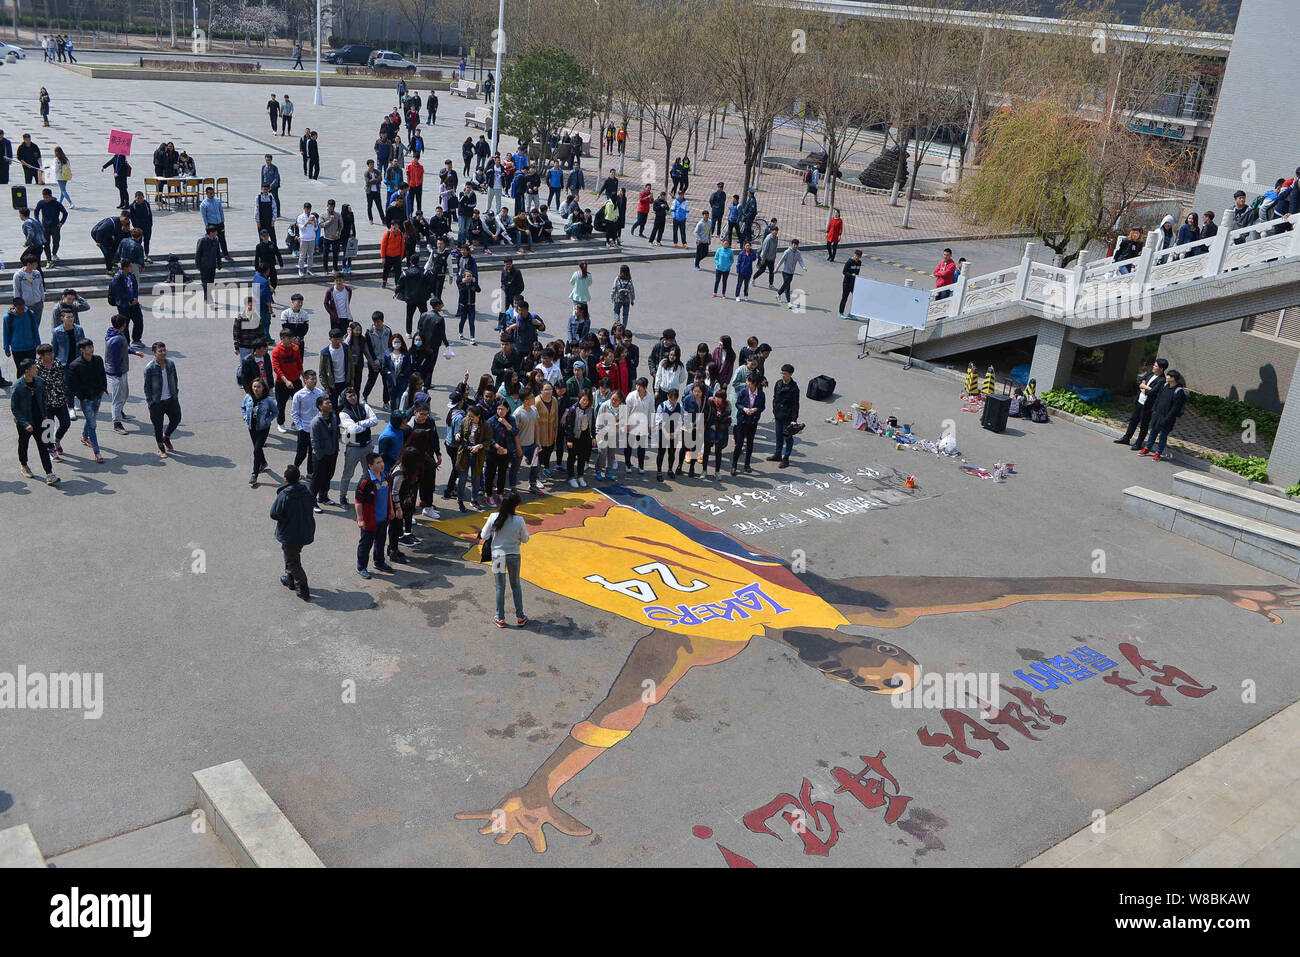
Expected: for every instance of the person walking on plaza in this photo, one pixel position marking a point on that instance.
(295, 528)
(259, 411)
(286, 120)
(375, 509)
(117, 360)
(28, 155)
(297, 56)
(6, 158)
(141, 216)
(88, 384)
(29, 284)
(790, 260)
(1150, 384)
(273, 111)
(1169, 405)
(27, 403)
(702, 236)
(767, 252)
(503, 533)
(270, 178)
(313, 156)
(162, 395)
(812, 177)
(44, 99)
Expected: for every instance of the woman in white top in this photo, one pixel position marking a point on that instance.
(671, 374)
(507, 532)
(581, 283)
(640, 410)
(611, 432)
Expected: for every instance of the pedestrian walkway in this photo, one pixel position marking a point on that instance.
(1238, 806)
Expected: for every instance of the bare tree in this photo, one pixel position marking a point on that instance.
(756, 72)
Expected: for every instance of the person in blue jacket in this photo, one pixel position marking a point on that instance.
(722, 260)
(393, 438)
(555, 183)
(22, 332)
(681, 210)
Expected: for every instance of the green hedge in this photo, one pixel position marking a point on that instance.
(1254, 467)
(1230, 412)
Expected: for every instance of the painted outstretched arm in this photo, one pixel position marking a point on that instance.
(657, 662)
(894, 602)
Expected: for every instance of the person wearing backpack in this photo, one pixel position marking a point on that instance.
(503, 533)
(623, 295)
(811, 178)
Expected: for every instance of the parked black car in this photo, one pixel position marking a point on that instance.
(355, 53)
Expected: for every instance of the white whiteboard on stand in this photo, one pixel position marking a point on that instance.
(888, 308)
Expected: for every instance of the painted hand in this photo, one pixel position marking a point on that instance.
(525, 811)
(1264, 601)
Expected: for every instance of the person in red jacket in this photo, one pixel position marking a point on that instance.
(945, 274)
(415, 179)
(286, 363)
(643, 209)
(392, 247)
(834, 230)
(375, 509)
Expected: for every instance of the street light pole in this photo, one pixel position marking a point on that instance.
(500, 43)
(319, 100)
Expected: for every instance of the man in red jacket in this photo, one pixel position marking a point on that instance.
(375, 508)
(945, 274)
(286, 363)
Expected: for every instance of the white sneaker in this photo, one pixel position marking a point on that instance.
(573, 483)
(430, 513)
(72, 414)
(582, 482)
(472, 341)
(641, 471)
(283, 430)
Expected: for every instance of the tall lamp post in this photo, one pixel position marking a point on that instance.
(499, 42)
(319, 100)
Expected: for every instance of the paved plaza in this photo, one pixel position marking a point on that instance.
(225, 128)
(162, 575)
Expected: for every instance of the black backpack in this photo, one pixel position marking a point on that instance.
(1039, 415)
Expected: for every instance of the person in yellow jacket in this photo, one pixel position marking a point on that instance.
(706, 596)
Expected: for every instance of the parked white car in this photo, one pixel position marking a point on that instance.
(12, 53)
(388, 60)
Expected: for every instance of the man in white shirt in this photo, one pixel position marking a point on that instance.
(307, 231)
(302, 411)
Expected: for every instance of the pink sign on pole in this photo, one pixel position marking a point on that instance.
(119, 143)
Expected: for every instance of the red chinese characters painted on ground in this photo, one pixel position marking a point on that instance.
(870, 791)
(805, 820)
(814, 822)
(1168, 676)
(1012, 715)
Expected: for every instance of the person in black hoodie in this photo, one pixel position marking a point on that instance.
(295, 528)
(413, 289)
(268, 254)
(785, 408)
(1150, 384)
(88, 383)
(1170, 403)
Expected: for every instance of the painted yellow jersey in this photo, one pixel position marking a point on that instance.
(624, 552)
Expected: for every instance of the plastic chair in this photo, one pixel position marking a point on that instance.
(223, 188)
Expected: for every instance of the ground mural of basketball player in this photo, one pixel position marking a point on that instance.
(707, 595)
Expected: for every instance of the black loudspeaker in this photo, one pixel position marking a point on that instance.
(19, 196)
(996, 410)
(821, 388)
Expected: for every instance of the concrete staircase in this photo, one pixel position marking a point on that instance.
(235, 824)
(1253, 526)
(88, 277)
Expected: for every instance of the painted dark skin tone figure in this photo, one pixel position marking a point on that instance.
(664, 657)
